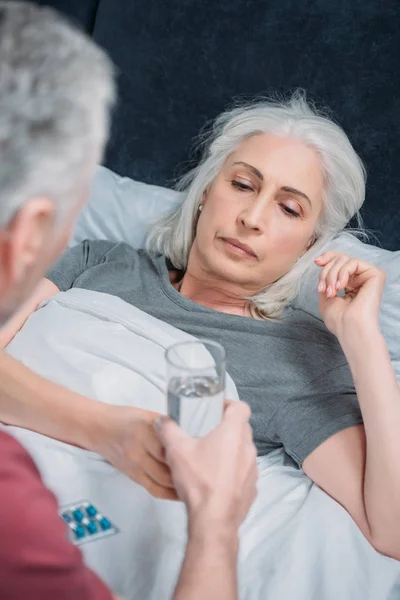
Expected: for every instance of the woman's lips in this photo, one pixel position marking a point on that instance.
(238, 248)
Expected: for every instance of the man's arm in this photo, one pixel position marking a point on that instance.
(216, 477)
(209, 567)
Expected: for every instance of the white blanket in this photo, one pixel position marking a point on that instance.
(297, 543)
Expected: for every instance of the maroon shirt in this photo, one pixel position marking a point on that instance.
(37, 562)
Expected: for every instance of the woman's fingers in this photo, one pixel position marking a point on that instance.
(153, 445)
(340, 271)
(332, 286)
(158, 471)
(154, 488)
(322, 286)
(329, 276)
(343, 270)
(345, 273)
(152, 459)
(326, 257)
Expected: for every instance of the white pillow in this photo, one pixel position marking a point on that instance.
(120, 209)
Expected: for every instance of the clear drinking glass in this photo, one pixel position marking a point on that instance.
(195, 385)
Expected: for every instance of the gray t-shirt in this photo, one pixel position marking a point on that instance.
(292, 373)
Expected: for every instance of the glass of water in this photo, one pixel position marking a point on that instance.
(196, 385)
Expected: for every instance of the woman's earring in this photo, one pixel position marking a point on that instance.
(200, 207)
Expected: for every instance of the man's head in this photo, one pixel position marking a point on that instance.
(56, 91)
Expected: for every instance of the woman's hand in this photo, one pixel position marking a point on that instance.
(363, 285)
(127, 439)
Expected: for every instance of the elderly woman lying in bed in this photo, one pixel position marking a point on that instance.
(276, 182)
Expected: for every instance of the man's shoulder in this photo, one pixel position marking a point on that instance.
(36, 559)
(18, 472)
(11, 448)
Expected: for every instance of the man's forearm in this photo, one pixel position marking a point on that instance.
(379, 396)
(209, 570)
(31, 401)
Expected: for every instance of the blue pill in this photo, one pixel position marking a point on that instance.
(91, 527)
(78, 514)
(105, 524)
(79, 531)
(91, 510)
(66, 517)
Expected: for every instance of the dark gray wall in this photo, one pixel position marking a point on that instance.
(180, 63)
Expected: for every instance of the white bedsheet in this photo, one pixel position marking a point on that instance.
(297, 543)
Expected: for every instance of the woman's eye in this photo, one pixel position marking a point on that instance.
(241, 186)
(289, 211)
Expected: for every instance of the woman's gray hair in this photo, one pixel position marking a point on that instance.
(56, 91)
(344, 191)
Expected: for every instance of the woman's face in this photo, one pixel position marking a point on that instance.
(267, 198)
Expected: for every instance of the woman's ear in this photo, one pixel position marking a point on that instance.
(311, 242)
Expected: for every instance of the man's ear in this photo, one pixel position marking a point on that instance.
(29, 238)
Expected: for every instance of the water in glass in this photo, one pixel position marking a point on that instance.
(196, 403)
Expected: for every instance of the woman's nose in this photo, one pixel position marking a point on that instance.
(251, 218)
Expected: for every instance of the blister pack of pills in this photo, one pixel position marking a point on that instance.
(86, 523)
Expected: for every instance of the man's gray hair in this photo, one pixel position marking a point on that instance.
(56, 92)
(343, 172)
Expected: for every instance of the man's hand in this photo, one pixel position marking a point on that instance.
(129, 442)
(216, 475)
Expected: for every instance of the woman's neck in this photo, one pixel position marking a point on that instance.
(209, 293)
